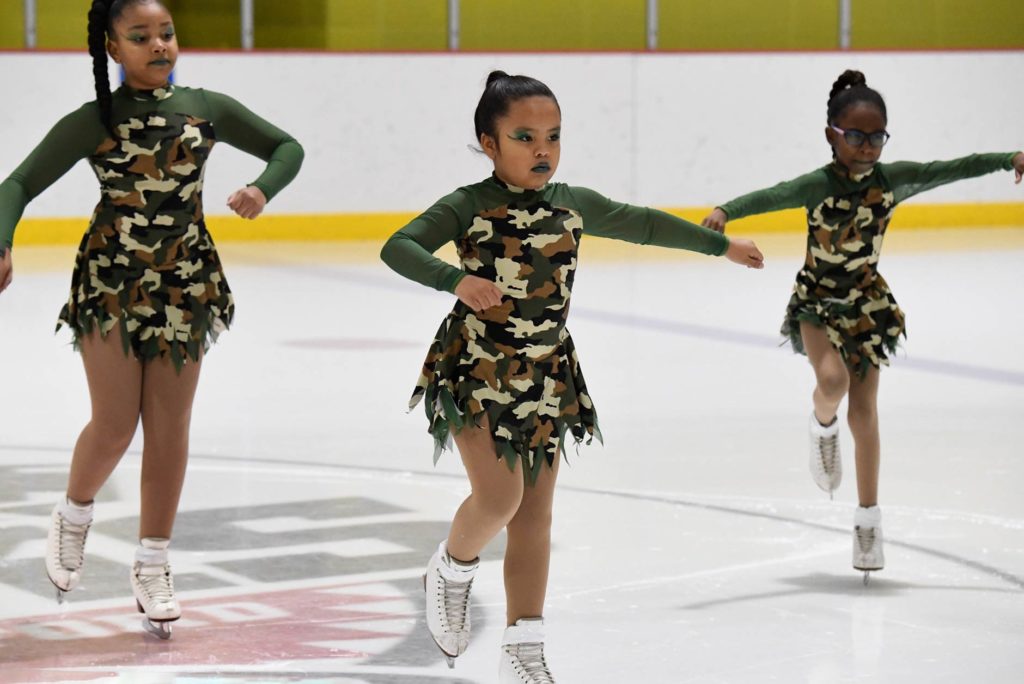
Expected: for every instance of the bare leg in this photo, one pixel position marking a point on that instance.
(115, 391)
(528, 554)
(829, 369)
(495, 498)
(167, 397)
(862, 414)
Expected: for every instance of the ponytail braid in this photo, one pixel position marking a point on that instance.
(99, 21)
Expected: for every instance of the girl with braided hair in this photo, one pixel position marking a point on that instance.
(502, 378)
(148, 294)
(842, 314)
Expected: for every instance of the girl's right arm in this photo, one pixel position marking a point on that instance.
(410, 252)
(74, 137)
(798, 192)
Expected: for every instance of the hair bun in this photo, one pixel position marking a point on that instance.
(496, 75)
(848, 79)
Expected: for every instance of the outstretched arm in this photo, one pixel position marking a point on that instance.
(644, 226)
(912, 178)
(240, 127)
(801, 191)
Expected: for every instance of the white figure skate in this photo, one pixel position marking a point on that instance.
(825, 462)
(522, 654)
(153, 586)
(867, 541)
(447, 584)
(65, 545)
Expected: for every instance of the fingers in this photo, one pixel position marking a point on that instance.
(478, 294)
(245, 205)
(1020, 174)
(488, 296)
(714, 224)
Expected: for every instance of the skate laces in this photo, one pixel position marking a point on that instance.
(70, 550)
(156, 581)
(865, 538)
(456, 603)
(531, 661)
(829, 449)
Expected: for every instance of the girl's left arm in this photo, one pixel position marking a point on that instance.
(645, 226)
(911, 178)
(238, 126)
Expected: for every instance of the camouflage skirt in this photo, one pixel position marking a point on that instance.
(163, 287)
(864, 327)
(530, 403)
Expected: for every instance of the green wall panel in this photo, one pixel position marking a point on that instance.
(293, 24)
(207, 23)
(61, 24)
(747, 25)
(938, 23)
(12, 32)
(550, 25)
(387, 24)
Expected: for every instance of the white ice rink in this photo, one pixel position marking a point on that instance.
(692, 548)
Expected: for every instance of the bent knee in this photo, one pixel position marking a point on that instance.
(501, 506)
(116, 435)
(833, 382)
(862, 413)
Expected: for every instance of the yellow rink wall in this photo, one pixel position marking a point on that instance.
(378, 226)
(558, 24)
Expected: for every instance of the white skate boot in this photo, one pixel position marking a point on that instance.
(447, 583)
(522, 654)
(153, 586)
(65, 545)
(826, 465)
(867, 540)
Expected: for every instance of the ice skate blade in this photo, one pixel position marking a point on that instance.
(448, 657)
(60, 596)
(161, 630)
(867, 573)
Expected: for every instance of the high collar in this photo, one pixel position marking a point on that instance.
(155, 95)
(514, 188)
(843, 172)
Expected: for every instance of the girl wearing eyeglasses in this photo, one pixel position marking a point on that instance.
(842, 314)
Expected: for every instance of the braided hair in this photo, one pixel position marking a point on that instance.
(102, 15)
(850, 88)
(500, 92)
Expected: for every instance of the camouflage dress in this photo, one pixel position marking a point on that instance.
(147, 265)
(839, 287)
(515, 364)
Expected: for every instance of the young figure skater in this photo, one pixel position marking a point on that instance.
(842, 314)
(502, 377)
(148, 294)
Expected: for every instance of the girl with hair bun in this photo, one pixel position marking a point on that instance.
(842, 314)
(502, 378)
(148, 294)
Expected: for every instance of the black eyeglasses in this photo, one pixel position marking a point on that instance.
(855, 138)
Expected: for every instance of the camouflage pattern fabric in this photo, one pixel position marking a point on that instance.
(514, 364)
(147, 265)
(839, 287)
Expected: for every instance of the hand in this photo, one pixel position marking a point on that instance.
(715, 220)
(745, 253)
(478, 293)
(6, 267)
(248, 202)
(1018, 166)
